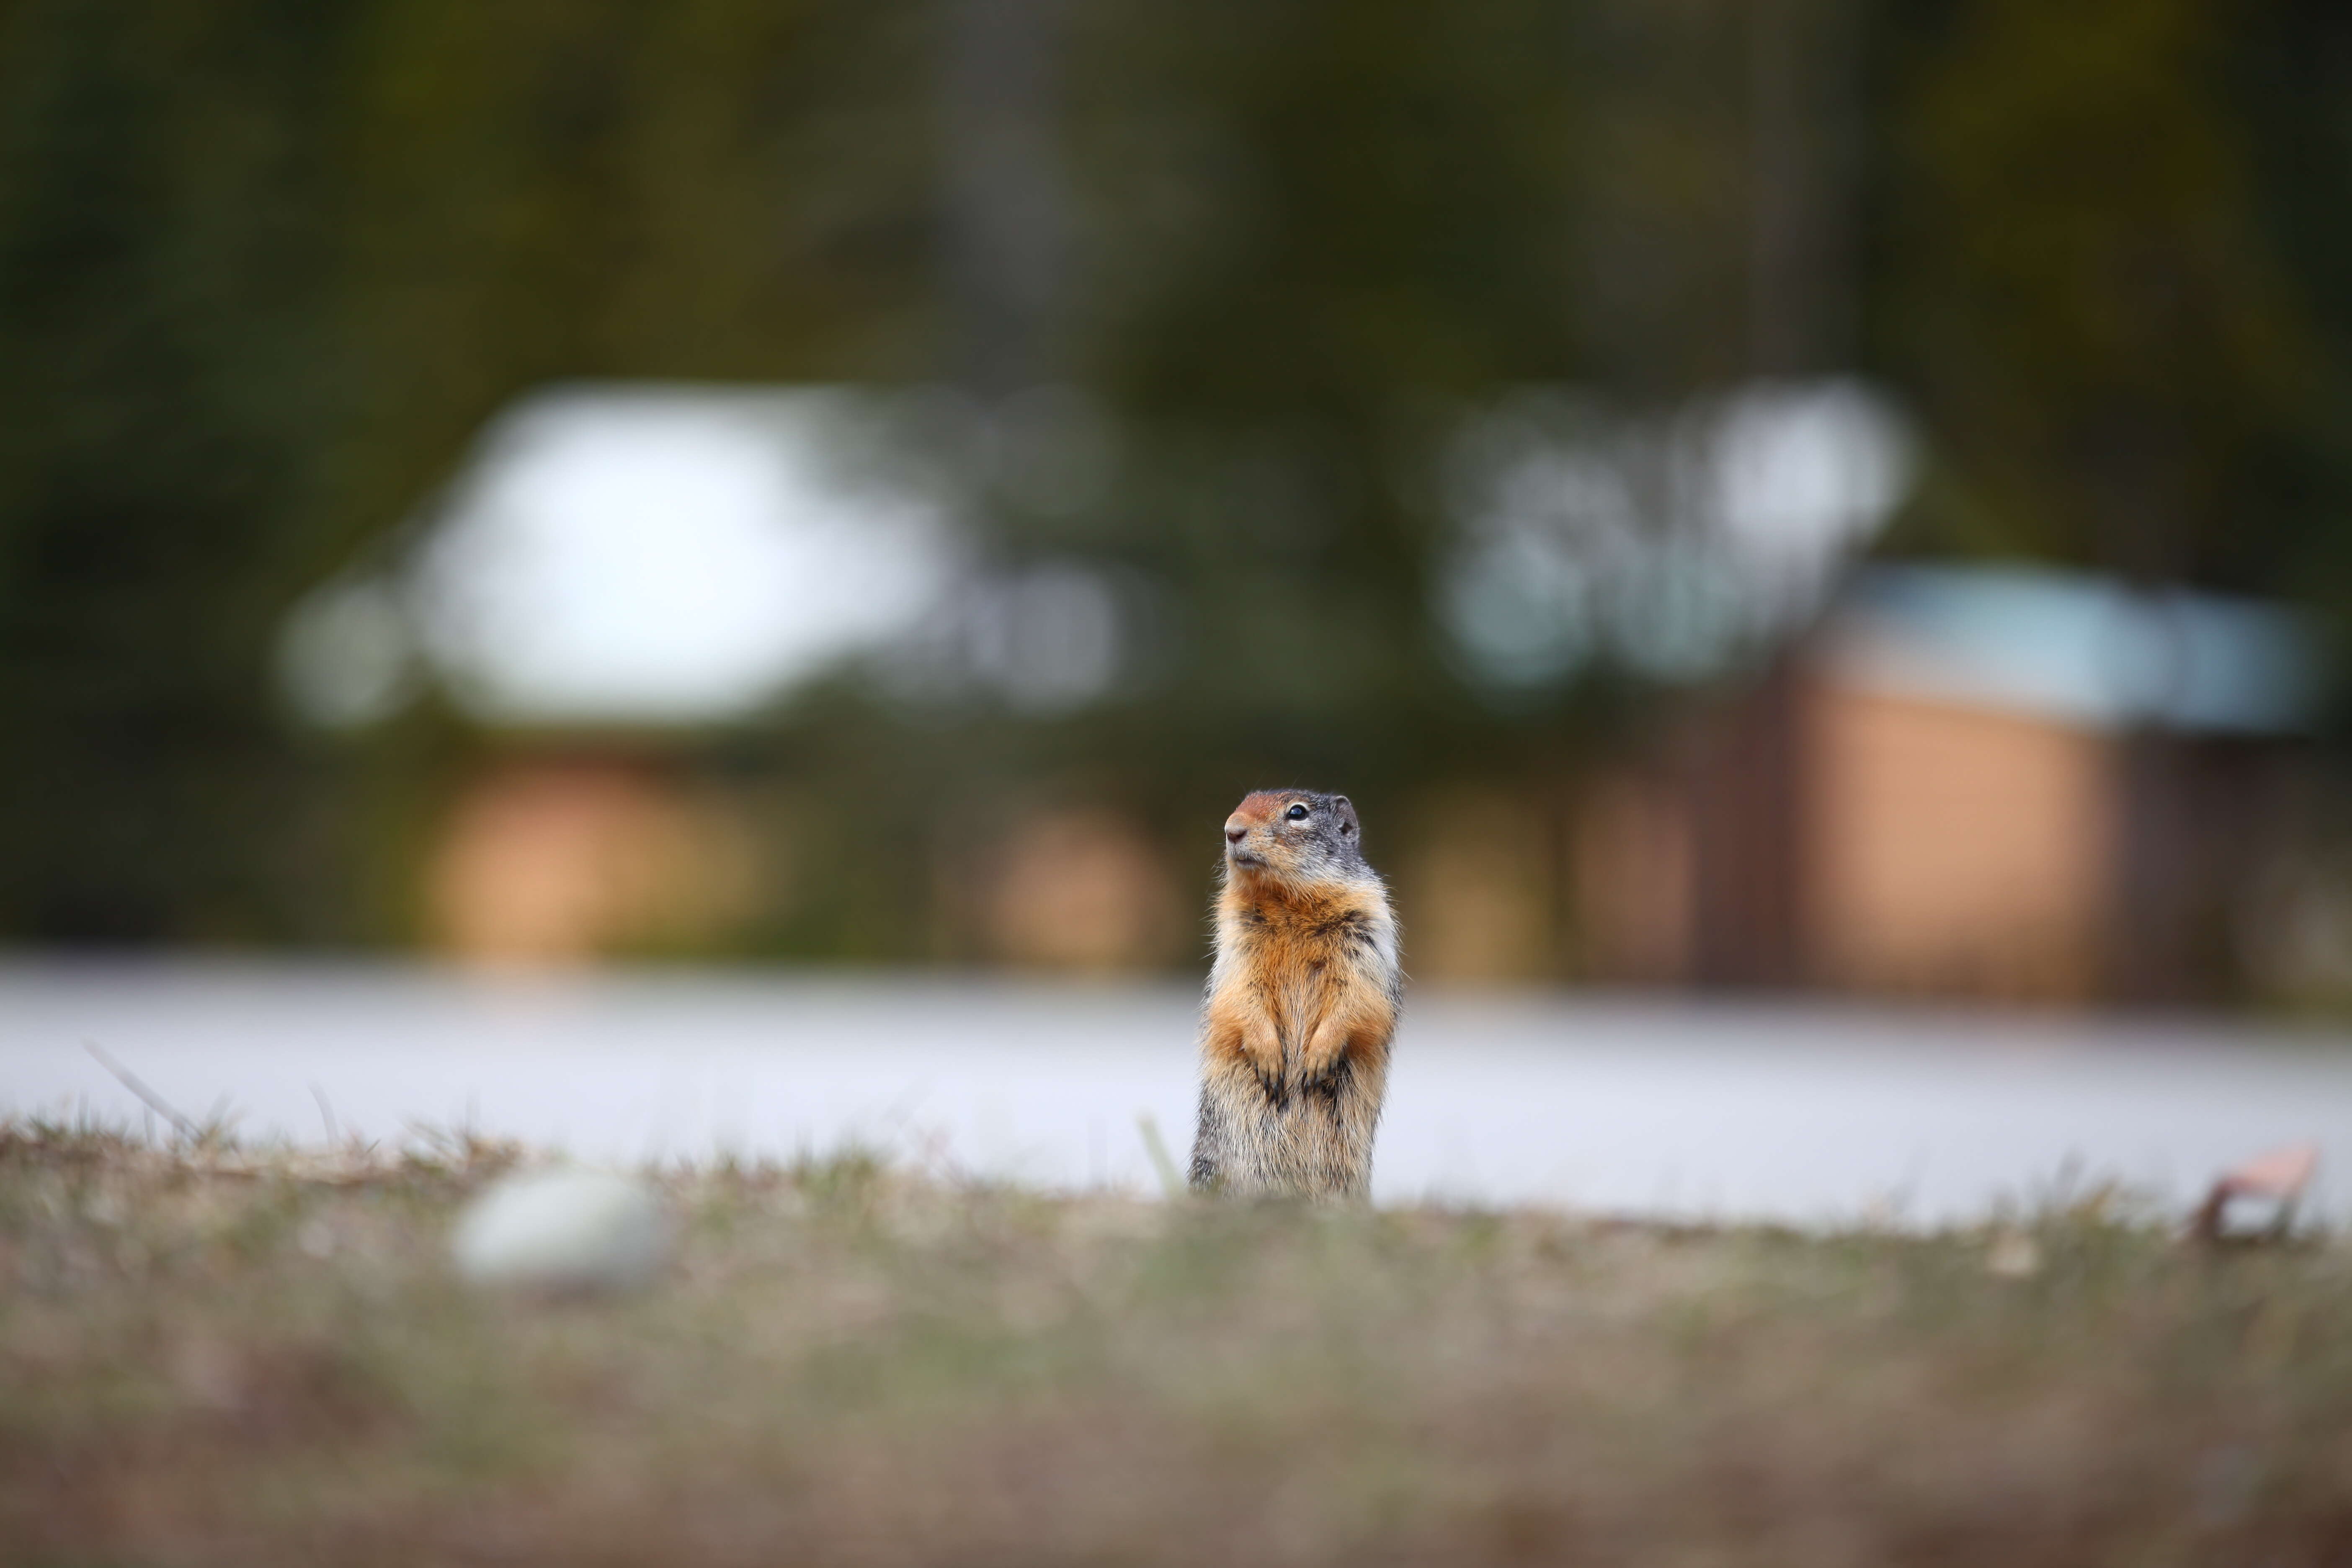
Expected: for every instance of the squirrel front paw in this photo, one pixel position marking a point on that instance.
(1328, 1083)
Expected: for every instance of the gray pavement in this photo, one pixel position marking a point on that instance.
(1807, 1112)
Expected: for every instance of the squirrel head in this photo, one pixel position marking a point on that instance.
(1294, 836)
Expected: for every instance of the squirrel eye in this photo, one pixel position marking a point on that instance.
(1297, 812)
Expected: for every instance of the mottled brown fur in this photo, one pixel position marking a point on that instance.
(1302, 1004)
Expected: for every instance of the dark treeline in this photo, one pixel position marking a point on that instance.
(265, 268)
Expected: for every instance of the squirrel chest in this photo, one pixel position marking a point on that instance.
(1293, 964)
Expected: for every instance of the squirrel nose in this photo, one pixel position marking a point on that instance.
(1236, 832)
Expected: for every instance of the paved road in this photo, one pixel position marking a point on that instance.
(1792, 1111)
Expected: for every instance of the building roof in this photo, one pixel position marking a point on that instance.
(2082, 650)
(637, 554)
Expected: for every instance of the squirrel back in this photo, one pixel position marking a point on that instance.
(1302, 1004)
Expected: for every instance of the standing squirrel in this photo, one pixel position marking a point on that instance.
(1302, 1003)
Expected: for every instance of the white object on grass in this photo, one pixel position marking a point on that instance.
(563, 1230)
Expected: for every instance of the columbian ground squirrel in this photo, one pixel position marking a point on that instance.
(1302, 1004)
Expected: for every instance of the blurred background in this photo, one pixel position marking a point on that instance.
(1801, 494)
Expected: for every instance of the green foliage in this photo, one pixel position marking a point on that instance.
(164, 248)
(2084, 293)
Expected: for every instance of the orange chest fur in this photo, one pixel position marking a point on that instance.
(1286, 966)
(1287, 960)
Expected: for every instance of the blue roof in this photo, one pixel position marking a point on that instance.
(2080, 648)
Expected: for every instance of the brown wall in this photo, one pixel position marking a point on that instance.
(1906, 846)
(562, 860)
(1955, 849)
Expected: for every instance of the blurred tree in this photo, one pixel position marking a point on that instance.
(1308, 236)
(2295, 81)
(166, 201)
(2079, 286)
(723, 189)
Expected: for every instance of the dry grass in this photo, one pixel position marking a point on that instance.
(214, 1356)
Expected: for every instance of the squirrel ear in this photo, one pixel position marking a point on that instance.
(1347, 813)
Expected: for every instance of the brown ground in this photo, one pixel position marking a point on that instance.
(213, 1358)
